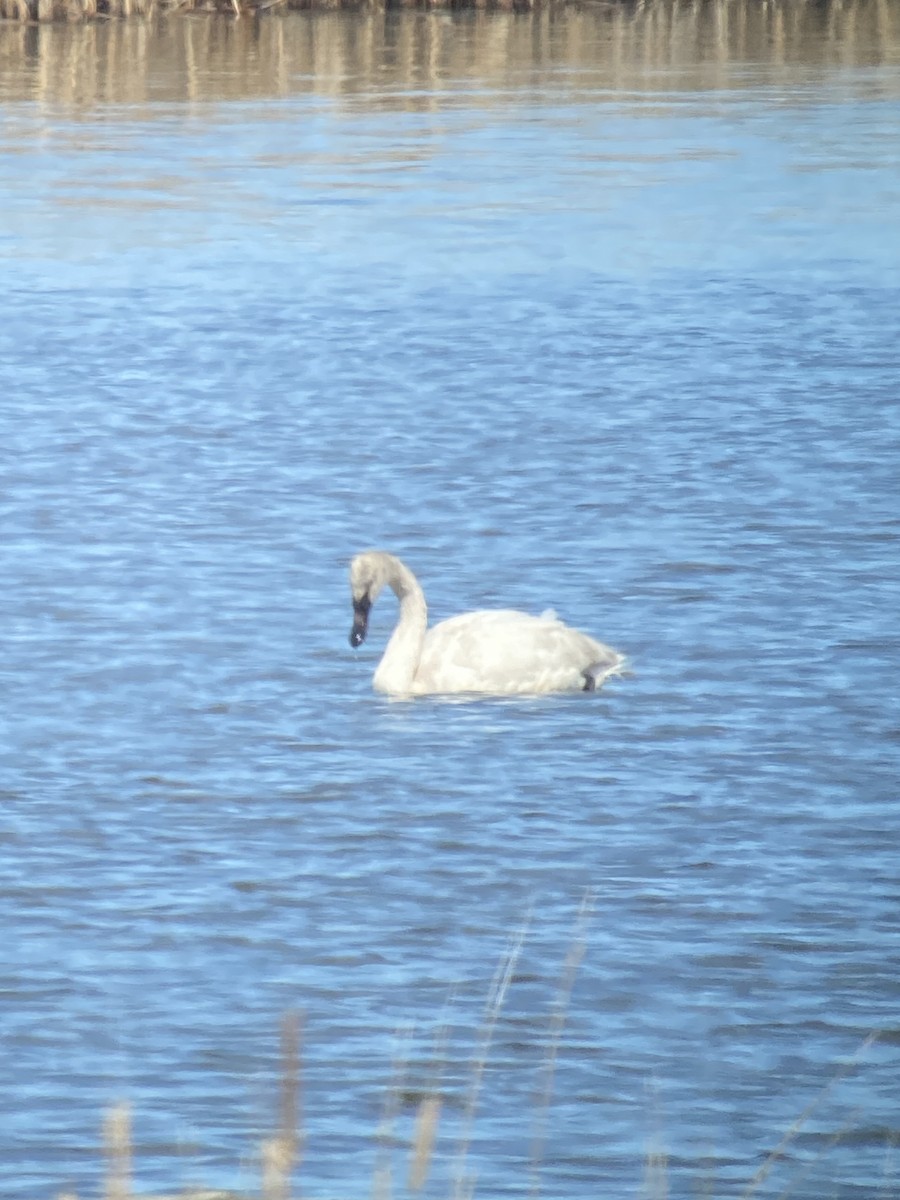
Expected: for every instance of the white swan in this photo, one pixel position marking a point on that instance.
(498, 652)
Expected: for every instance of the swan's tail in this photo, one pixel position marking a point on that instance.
(597, 673)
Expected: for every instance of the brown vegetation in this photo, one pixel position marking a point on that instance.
(656, 46)
(78, 10)
(281, 1153)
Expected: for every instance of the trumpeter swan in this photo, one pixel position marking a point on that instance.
(498, 652)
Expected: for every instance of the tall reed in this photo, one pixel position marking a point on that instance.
(281, 1153)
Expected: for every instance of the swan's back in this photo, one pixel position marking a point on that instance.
(509, 652)
(497, 653)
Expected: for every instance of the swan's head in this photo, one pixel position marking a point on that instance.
(369, 572)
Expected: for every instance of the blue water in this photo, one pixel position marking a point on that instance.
(627, 351)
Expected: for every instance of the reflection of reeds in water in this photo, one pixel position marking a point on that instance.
(408, 60)
(72, 10)
(651, 34)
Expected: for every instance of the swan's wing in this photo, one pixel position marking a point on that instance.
(505, 651)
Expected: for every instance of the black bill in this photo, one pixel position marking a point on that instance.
(360, 621)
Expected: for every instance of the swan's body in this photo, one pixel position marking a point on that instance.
(495, 652)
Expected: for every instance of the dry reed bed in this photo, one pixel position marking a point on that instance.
(79, 10)
(660, 45)
(280, 1154)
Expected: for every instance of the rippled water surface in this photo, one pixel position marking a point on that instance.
(598, 311)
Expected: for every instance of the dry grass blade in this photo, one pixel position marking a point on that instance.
(499, 986)
(117, 1148)
(792, 1131)
(832, 1141)
(277, 1161)
(429, 1110)
(656, 1175)
(280, 1154)
(423, 1141)
(382, 1178)
(557, 1024)
(290, 1099)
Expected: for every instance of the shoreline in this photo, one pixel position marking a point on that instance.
(184, 51)
(42, 12)
(78, 11)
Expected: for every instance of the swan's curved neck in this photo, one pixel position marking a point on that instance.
(400, 661)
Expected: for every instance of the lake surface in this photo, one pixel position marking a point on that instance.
(597, 311)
